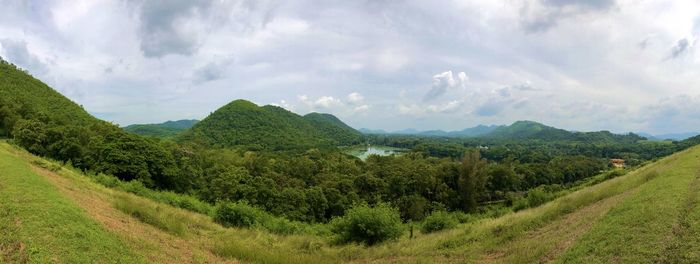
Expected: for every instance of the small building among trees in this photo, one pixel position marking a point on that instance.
(618, 163)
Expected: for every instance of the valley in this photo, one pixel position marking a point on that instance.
(263, 184)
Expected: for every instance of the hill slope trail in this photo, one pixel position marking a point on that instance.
(53, 218)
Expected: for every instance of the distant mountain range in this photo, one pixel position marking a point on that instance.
(673, 136)
(517, 130)
(168, 129)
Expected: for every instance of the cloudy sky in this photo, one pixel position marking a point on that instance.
(620, 65)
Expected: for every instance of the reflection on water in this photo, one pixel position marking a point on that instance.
(364, 152)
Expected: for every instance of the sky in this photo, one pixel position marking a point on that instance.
(585, 65)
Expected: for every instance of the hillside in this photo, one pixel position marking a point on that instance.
(330, 126)
(242, 123)
(168, 129)
(47, 123)
(647, 216)
(23, 96)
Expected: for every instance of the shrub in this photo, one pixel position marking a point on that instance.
(135, 187)
(464, 218)
(437, 221)
(282, 226)
(239, 214)
(369, 225)
(107, 181)
(520, 204)
(537, 196)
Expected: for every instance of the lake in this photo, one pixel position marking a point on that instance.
(363, 152)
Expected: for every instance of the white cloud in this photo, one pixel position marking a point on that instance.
(355, 98)
(445, 81)
(449, 107)
(567, 63)
(326, 102)
(361, 108)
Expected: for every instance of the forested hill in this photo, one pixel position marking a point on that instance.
(518, 131)
(47, 123)
(243, 123)
(168, 129)
(331, 127)
(534, 130)
(29, 98)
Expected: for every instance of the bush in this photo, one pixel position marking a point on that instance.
(369, 225)
(537, 196)
(464, 218)
(239, 214)
(135, 187)
(242, 214)
(107, 181)
(437, 221)
(520, 204)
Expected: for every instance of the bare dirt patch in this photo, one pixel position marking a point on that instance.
(155, 245)
(544, 244)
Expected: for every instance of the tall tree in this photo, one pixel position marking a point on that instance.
(473, 177)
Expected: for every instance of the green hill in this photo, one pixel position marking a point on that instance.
(23, 96)
(534, 130)
(527, 130)
(243, 123)
(48, 124)
(168, 129)
(331, 127)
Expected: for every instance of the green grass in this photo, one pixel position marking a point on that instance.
(640, 229)
(39, 225)
(169, 220)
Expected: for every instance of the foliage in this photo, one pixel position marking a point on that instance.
(369, 225)
(242, 123)
(38, 224)
(165, 130)
(437, 221)
(239, 214)
(183, 201)
(331, 127)
(151, 215)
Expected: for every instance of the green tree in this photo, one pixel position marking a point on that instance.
(472, 179)
(31, 135)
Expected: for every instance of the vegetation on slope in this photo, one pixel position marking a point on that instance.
(48, 124)
(617, 209)
(165, 130)
(242, 123)
(39, 225)
(331, 127)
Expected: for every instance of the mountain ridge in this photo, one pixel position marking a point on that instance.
(167, 129)
(243, 123)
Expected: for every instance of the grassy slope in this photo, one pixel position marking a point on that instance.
(649, 215)
(39, 225)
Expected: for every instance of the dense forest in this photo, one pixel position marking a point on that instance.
(243, 123)
(290, 166)
(164, 130)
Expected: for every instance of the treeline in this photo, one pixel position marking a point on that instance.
(314, 185)
(632, 148)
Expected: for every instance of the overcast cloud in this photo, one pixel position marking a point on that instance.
(624, 65)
